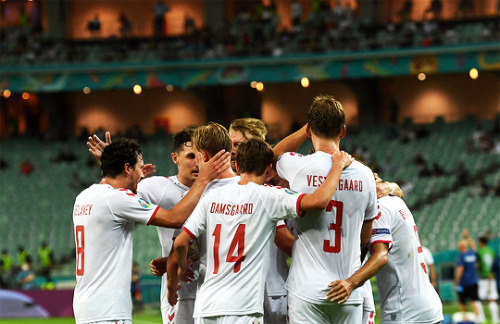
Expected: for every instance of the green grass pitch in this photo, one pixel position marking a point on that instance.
(153, 316)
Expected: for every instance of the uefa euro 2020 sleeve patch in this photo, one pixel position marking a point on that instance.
(144, 203)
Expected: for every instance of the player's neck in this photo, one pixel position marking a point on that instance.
(117, 183)
(185, 181)
(326, 145)
(228, 173)
(245, 178)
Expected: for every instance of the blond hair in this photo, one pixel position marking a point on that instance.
(249, 128)
(211, 138)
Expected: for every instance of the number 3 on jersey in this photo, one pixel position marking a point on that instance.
(336, 227)
(238, 240)
(80, 249)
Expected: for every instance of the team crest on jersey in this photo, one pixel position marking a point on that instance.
(381, 231)
(290, 192)
(144, 203)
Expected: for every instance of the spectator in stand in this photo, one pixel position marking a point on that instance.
(125, 26)
(94, 26)
(25, 278)
(296, 15)
(23, 256)
(462, 175)
(405, 12)
(5, 269)
(46, 260)
(159, 9)
(435, 9)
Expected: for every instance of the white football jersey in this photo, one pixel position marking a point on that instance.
(104, 219)
(238, 224)
(406, 293)
(328, 242)
(190, 289)
(428, 259)
(278, 270)
(165, 192)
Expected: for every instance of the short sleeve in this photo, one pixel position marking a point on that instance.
(286, 166)
(282, 203)
(372, 210)
(196, 224)
(127, 206)
(149, 188)
(381, 229)
(460, 261)
(428, 259)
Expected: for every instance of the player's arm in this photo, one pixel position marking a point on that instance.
(458, 275)
(284, 240)
(366, 233)
(320, 198)
(158, 266)
(291, 143)
(96, 147)
(386, 188)
(175, 217)
(432, 270)
(181, 245)
(342, 289)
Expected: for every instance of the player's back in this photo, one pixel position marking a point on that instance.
(327, 242)
(239, 229)
(407, 296)
(104, 220)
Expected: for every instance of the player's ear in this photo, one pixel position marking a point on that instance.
(205, 155)
(174, 157)
(237, 167)
(308, 130)
(342, 132)
(127, 168)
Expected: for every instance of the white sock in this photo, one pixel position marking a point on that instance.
(480, 311)
(493, 306)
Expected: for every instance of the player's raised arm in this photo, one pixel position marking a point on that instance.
(387, 188)
(209, 170)
(322, 196)
(291, 143)
(96, 145)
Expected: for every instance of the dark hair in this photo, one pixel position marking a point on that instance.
(120, 152)
(326, 116)
(182, 139)
(483, 240)
(254, 156)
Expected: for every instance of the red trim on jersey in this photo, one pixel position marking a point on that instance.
(153, 216)
(389, 243)
(280, 226)
(298, 205)
(374, 218)
(189, 232)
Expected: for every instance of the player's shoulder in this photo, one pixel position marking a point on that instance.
(156, 180)
(291, 156)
